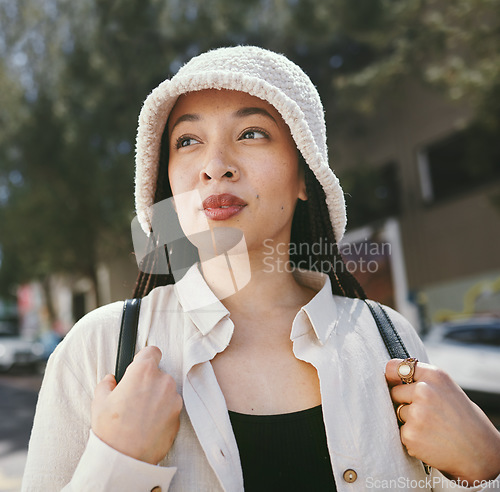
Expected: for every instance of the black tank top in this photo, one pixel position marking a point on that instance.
(285, 452)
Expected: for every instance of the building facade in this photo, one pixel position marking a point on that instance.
(444, 180)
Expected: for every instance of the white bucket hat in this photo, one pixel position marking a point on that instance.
(258, 72)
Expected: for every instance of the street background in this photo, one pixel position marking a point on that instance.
(18, 395)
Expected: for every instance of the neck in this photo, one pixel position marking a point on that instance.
(249, 282)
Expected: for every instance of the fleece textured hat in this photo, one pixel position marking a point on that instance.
(258, 72)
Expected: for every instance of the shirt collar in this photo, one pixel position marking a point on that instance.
(320, 311)
(198, 300)
(206, 310)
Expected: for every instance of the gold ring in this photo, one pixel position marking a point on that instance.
(398, 412)
(406, 370)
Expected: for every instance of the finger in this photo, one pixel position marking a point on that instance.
(402, 393)
(403, 413)
(391, 372)
(106, 386)
(149, 352)
(392, 376)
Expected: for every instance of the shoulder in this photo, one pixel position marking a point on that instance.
(92, 343)
(89, 347)
(101, 323)
(104, 322)
(355, 315)
(408, 334)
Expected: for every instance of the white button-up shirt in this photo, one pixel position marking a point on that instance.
(337, 335)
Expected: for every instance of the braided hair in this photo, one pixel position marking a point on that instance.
(311, 225)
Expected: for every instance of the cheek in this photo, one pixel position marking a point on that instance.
(171, 178)
(179, 181)
(289, 181)
(281, 189)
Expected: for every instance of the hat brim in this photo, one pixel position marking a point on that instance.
(156, 110)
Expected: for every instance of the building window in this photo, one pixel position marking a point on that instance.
(458, 164)
(372, 193)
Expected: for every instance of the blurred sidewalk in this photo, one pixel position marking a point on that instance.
(18, 396)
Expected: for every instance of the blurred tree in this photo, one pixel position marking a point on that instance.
(72, 197)
(11, 120)
(453, 46)
(73, 76)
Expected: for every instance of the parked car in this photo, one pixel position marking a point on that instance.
(469, 350)
(15, 350)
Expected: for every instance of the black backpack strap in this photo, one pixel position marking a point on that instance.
(392, 340)
(128, 336)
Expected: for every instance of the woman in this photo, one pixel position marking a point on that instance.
(249, 374)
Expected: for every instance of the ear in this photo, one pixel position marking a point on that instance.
(302, 189)
(174, 205)
(302, 178)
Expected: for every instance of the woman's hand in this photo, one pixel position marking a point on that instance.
(140, 416)
(443, 428)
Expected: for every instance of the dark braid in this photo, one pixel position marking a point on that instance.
(311, 226)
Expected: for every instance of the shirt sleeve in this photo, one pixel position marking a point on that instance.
(102, 468)
(63, 453)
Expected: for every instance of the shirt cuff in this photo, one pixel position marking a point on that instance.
(439, 483)
(103, 468)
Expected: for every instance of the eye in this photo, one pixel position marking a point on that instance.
(253, 134)
(185, 141)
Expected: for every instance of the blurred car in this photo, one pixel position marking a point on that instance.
(49, 340)
(469, 351)
(15, 350)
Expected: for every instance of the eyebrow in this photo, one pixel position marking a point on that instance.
(185, 117)
(241, 113)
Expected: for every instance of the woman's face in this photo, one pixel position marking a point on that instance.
(233, 163)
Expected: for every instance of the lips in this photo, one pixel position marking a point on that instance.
(222, 207)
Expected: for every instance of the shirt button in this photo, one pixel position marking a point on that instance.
(219, 455)
(156, 489)
(350, 476)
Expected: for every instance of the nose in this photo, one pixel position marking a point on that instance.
(218, 168)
